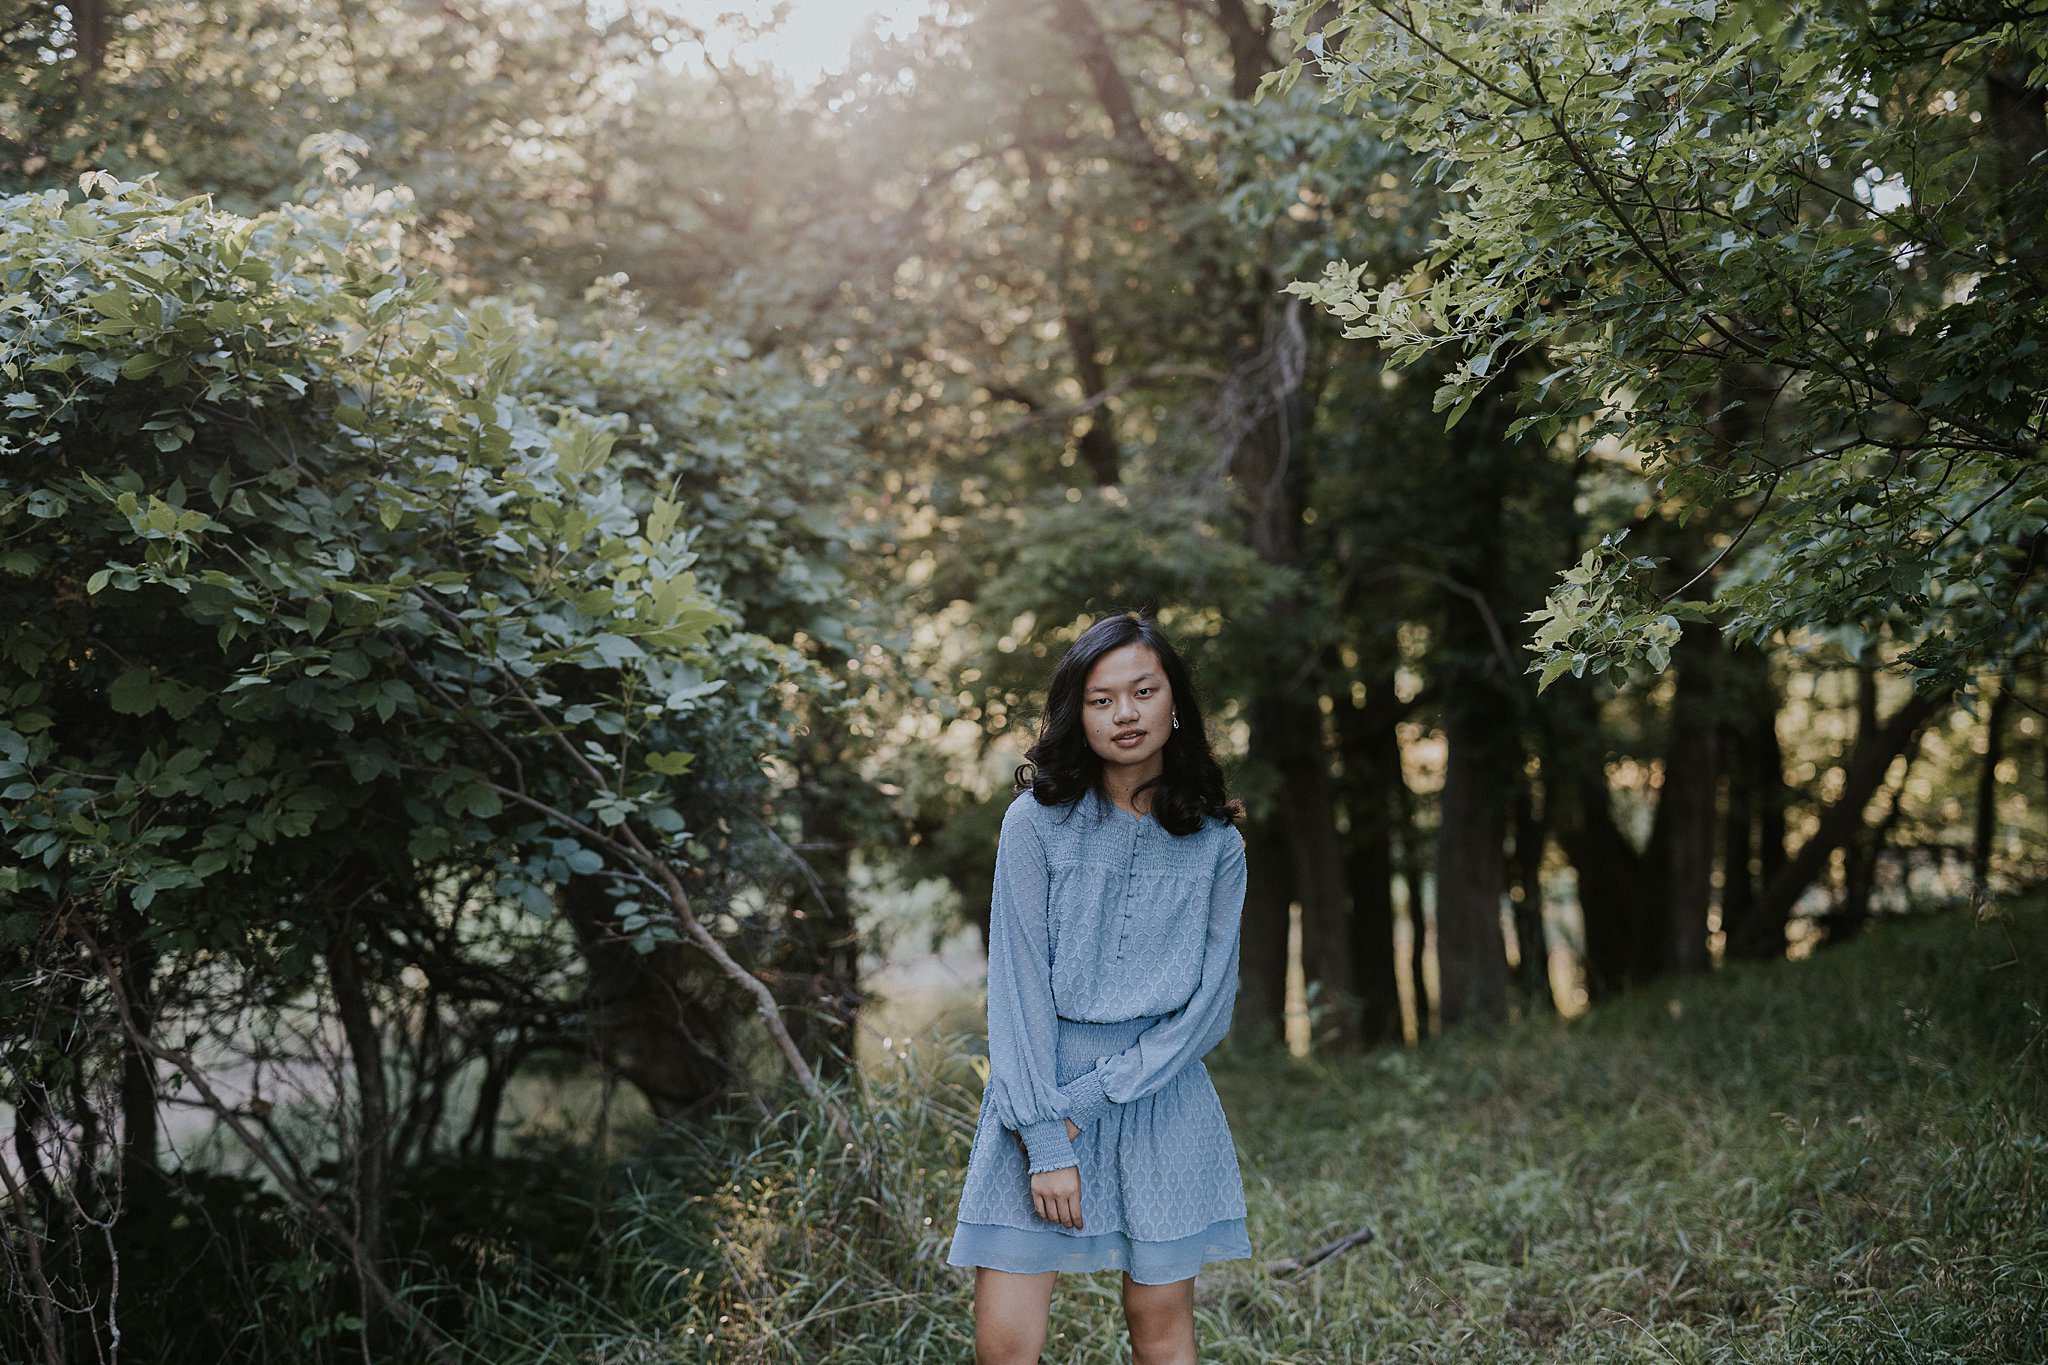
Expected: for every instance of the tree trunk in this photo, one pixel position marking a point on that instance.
(1306, 828)
(1269, 891)
(1371, 755)
(1608, 867)
(2017, 124)
(1757, 799)
(1852, 916)
(1774, 816)
(1091, 44)
(141, 1168)
(1266, 410)
(1526, 895)
(1482, 712)
(372, 1167)
(1738, 834)
(1472, 964)
(1869, 760)
(1262, 962)
(1251, 56)
(1680, 857)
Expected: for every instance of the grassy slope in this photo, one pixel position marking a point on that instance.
(1831, 1160)
(1836, 1159)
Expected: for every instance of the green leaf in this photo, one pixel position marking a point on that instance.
(134, 693)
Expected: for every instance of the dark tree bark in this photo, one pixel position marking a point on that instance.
(1302, 848)
(1472, 964)
(141, 1139)
(1679, 859)
(1840, 821)
(1609, 869)
(92, 22)
(1482, 715)
(1097, 440)
(1739, 789)
(372, 1165)
(1262, 961)
(480, 1138)
(1308, 807)
(1251, 55)
(1754, 846)
(1077, 22)
(1270, 408)
(1525, 894)
(2017, 125)
(1852, 915)
(1774, 813)
(1371, 755)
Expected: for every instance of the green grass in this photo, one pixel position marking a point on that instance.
(1838, 1159)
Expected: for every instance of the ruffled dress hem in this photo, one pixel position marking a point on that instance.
(1028, 1251)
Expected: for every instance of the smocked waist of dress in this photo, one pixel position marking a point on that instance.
(1080, 1043)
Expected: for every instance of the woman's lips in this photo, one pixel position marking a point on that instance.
(1127, 741)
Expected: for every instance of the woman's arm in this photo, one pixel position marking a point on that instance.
(1021, 1020)
(1183, 1036)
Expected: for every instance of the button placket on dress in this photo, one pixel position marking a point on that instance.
(1123, 925)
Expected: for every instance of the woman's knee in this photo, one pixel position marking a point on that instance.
(1161, 1320)
(1008, 1343)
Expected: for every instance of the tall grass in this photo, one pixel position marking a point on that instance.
(1838, 1159)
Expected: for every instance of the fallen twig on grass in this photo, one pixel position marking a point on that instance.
(1288, 1265)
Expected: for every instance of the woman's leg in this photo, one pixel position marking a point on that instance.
(1162, 1321)
(1010, 1314)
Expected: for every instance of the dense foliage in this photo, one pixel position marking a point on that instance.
(351, 630)
(1791, 254)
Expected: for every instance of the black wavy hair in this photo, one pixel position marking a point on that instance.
(1060, 768)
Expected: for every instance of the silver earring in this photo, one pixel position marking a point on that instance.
(1176, 720)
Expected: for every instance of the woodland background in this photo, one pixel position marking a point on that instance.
(529, 533)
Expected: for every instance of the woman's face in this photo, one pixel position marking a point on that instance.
(1126, 694)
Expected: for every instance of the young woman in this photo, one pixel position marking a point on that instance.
(1113, 952)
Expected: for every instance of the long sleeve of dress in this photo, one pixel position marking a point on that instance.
(1189, 1032)
(1021, 1018)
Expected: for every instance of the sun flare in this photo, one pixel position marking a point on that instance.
(815, 36)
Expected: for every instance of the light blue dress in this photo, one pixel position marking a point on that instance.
(1112, 970)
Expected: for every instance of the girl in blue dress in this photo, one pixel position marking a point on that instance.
(1112, 970)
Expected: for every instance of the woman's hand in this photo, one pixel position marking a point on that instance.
(1056, 1195)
